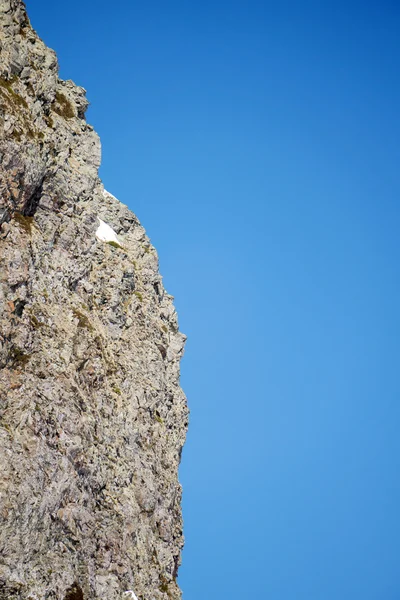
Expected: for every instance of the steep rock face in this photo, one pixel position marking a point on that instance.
(92, 418)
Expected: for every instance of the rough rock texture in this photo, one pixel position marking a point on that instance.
(92, 418)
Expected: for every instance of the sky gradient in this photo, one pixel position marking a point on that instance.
(258, 143)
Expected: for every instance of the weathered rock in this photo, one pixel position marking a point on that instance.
(92, 417)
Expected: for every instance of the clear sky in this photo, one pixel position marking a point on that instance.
(259, 143)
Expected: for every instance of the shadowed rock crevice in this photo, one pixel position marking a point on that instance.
(74, 593)
(33, 201)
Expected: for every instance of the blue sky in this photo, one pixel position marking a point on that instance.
(258, 143)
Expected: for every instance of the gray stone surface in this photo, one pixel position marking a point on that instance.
(92, 416)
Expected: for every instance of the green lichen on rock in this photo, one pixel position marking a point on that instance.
(15, 105)
(114, 244)
(63, 107)
(36, 324)
(19, 358)
(25, 223)
(10, 95)
(83, 320)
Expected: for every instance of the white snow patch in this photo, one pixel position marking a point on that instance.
(132, 594)
(107, 193)
(105, 233)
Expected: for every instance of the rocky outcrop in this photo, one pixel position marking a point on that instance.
(92, 417)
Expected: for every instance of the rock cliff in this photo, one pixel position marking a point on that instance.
(92, 417)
